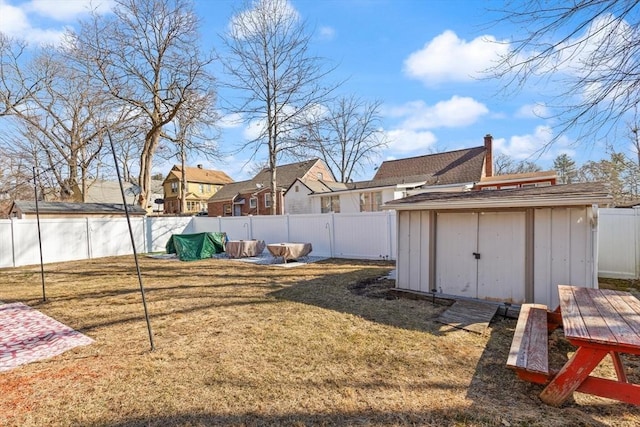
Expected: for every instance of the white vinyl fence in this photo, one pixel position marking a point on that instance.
(619, 243)
(359, 235)
(362, 235)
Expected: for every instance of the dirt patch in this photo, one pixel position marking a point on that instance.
(375, 288)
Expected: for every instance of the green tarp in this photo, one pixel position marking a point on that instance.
(190, 247)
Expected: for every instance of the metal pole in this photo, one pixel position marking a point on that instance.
(133, 244)
(35, 189)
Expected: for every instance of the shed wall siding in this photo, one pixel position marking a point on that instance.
(563, 251)
(413, 250)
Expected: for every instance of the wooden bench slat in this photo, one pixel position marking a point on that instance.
(530, 346)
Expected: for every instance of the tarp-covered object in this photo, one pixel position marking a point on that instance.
(190, 247)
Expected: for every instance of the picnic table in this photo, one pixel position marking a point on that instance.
(598, 322)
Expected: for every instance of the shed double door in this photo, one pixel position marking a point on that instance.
(481, 255)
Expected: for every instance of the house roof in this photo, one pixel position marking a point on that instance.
(109, 191)
(555, 195)
(285, 176)
(29, 207)
(200, 175)
(442, 168)
(320, 186)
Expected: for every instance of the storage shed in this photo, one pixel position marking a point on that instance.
(502, 245)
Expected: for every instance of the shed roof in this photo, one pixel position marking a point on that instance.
(29, 207)
(555, 195)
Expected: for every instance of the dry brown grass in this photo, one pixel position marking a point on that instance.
(240, 344)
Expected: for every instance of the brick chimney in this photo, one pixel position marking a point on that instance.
(488, 156)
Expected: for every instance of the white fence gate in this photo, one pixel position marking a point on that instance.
(619, 245)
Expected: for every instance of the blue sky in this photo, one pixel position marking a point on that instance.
(422, 58)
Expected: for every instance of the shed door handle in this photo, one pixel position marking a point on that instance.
(476, 255)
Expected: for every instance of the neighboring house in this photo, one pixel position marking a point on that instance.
(201, 185)
(253, 197)
(518, 180)
(457, 171)
(511, 245)
(22, 209)
(102, 191)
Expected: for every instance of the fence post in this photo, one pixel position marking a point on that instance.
(288, 229)
(89, 251)
(13, 244)
(636, 214)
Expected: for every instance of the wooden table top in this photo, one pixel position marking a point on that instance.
(601, 317)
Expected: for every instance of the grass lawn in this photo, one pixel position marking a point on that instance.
(241, 344)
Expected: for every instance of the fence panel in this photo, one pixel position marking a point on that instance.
(271, 229)
(618, 245)
(316, 229)
(363, 236)
(110, 236)
(160, 229)
(62, 240)
(6, 243)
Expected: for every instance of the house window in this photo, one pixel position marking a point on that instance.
(319, 175)
(174, 187)
(491, 187)
(226, 210)
(330, 204)
(370, 202)
(201, 188)
(267, 200)
(297, 189)
(253, 202)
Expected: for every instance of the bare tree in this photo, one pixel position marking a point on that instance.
(588, 49)
(349, 135)
(191, 133)
(506, 165)
(17, 84)
(147, 55)
(269, 60)
(61, 124)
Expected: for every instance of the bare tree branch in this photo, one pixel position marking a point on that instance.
(269, 61)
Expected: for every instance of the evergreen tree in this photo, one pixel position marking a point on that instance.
(566, 169)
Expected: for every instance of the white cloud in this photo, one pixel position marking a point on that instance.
(230, 121)
(455, 112)
(14, 19)
(66, 11)
(253, 130)
(532, 111)
(28, 21)
(249, 21)
(533, 146)
(406, 140)
(448, 58)
(327, 33)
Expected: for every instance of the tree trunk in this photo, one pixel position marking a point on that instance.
(183, 190)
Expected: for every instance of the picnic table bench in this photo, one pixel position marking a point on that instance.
(598, 322)
(529, 353)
